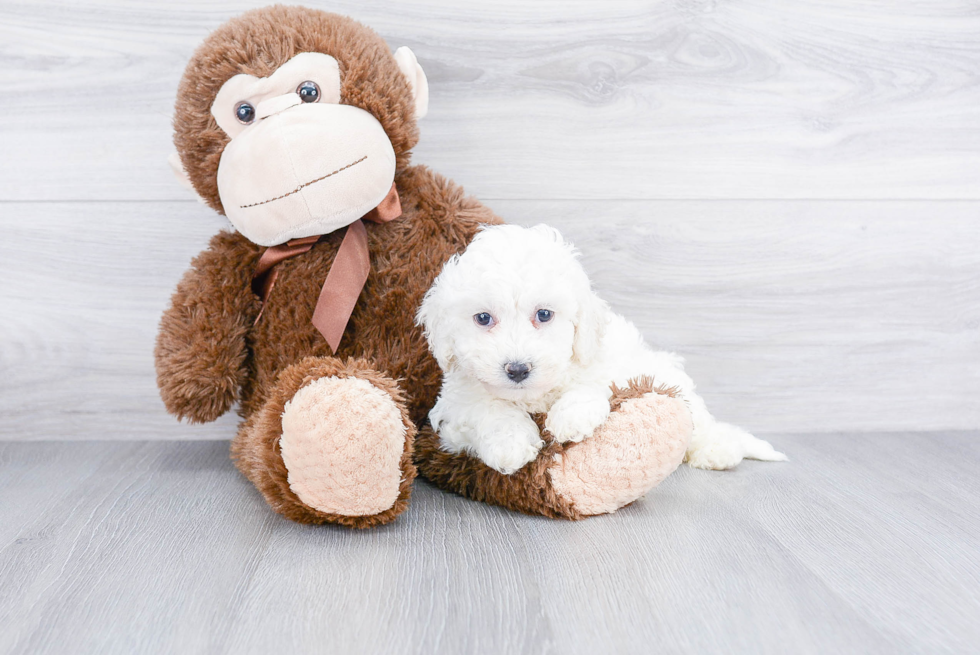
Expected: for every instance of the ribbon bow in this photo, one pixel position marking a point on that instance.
(346, 277)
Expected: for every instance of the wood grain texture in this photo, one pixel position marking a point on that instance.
(573, 99)
(821, 316)
(860, 544)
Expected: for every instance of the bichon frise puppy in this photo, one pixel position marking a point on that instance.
(517, 330)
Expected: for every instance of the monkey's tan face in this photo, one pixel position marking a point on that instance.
(299, 163)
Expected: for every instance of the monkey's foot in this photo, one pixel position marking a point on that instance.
(337, 449)
(639, 445)
(341, 442)
(642, 441)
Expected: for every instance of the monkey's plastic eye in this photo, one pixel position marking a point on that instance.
(483, 319)
(308, 91)
(544, 315)
(244, 112)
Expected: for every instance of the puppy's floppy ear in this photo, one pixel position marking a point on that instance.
(590, 327)
(593, 313)
(435, 318)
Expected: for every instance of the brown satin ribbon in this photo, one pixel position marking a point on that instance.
(346, 276)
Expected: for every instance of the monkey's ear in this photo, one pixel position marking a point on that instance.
(178, 168)
(416, 79)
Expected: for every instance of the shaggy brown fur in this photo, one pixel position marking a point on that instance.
(210, 351)
(201, 351)
(528, 490)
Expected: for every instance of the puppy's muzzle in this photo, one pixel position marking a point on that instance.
(517, 371)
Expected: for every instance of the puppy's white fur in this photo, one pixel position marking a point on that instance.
(510, 273)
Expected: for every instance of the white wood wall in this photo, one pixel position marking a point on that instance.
(787, 193)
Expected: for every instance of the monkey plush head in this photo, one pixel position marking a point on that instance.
(292, 122)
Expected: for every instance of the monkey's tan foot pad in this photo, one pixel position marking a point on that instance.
(342, 442)
(638, 446)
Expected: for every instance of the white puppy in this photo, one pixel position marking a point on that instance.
(517, 329)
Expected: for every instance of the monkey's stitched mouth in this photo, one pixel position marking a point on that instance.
(303, 186)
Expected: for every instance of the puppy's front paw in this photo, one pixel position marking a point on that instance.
(508, 456)
(576, 415)
(511, 446)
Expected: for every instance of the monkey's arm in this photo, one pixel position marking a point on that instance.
(201, 349)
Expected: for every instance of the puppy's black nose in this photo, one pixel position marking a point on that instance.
(517, 371)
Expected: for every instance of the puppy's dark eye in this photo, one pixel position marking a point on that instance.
(308, 92)
(544, 315)
(244, 112)
(483, 319)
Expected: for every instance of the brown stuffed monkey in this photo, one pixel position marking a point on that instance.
(298, 125)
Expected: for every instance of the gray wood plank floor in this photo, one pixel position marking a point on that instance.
(861, 544)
